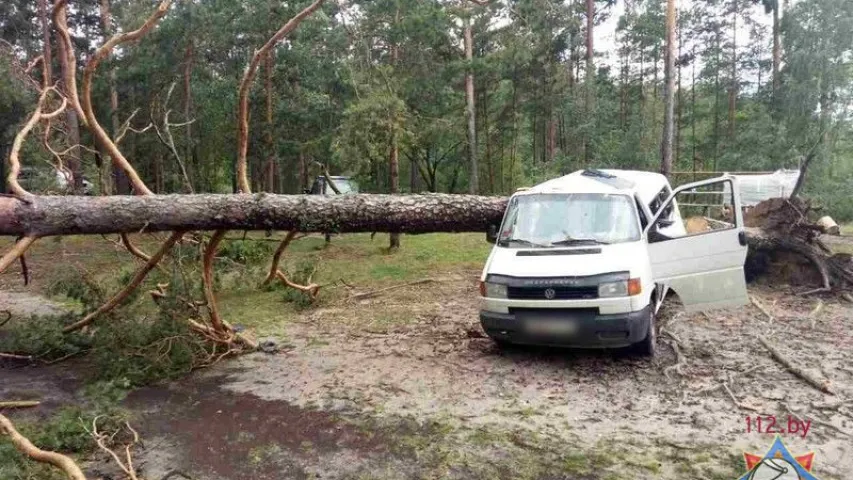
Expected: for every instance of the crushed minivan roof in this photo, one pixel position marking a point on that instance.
(646, 185)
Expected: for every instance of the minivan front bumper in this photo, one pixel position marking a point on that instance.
(591, 329)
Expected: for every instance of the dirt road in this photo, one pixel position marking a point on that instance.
(417, 393)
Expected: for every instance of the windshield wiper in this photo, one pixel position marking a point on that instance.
(523, 242)
(580, 241)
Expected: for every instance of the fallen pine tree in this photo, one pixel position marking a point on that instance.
(778, 230)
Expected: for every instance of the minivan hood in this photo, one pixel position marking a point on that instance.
(566, 262)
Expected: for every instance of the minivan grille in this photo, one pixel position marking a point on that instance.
(555, 293)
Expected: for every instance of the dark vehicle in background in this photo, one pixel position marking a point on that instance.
(321, 186)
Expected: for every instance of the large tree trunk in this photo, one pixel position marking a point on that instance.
(74, 159)
(62, 215)
(47, 66)
(107, 167)
(669, 97)
(470, 110)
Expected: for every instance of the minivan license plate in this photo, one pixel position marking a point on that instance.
(551, 327)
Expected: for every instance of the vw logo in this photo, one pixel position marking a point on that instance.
(550, 293)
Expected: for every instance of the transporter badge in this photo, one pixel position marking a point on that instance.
(778, 464)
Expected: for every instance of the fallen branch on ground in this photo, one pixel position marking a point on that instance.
(19, 404)
(58, 460)
(761, 307)
(822, 385)
(362, 296)
(12, 356)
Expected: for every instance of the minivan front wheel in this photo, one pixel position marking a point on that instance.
(646, 347)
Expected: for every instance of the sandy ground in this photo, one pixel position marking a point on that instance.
(654, 419)
(423, 395)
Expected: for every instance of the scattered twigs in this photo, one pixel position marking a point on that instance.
(761, 307)
(822, 385)
(814, 313)
(311, 289)
(362, 296)
(20, 404)
(737, 402)
(26, 447)
(676, 345)
(130, 287)
(817, 421)
(5, 320)
(126, 464)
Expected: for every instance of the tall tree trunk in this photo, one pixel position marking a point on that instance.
(47, 66)
(109, 173)
(190, 155)
(669, 94)
(679, 100)
(777, 50)
(268, 134)
(489, 159)
(590, 73)
(74, 160)
(693, 156)
(733, 88)
(394, 161)
(470, 108)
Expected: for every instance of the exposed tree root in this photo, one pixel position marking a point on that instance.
(137, 279)
(64, 463)
(822, 385)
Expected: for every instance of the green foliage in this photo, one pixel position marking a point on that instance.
(42, 338)
(246, 251)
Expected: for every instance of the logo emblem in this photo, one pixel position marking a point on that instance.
(778, 464)
(550, 293)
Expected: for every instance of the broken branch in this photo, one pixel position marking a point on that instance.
(822, 385)
(26, 447)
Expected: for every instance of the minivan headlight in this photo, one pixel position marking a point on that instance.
(492, 290)
(622, 288)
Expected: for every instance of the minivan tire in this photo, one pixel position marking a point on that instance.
(647, 346)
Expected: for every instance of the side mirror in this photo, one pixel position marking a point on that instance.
(492, 233)
(664, 223)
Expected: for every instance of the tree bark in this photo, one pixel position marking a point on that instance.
(63, 215)
(669, 97)
(470, 110)
(47, 66)
(73, 160)
(268, 134)
(777, 50)
(120, 185)
(733, 88)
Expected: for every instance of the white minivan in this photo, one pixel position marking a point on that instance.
(585, 260)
